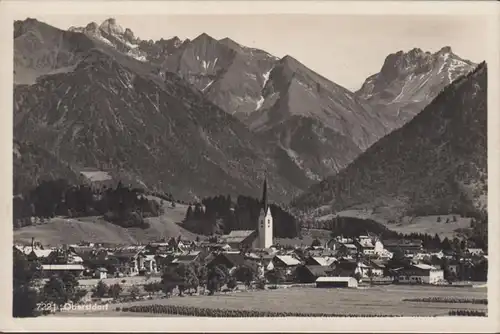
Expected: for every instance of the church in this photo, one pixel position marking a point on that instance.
(265, 228)
(256, 239)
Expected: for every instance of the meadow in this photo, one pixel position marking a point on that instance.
(381, 300)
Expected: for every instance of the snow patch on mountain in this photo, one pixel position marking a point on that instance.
(260, 102)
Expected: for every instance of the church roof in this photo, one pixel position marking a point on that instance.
(237, 236)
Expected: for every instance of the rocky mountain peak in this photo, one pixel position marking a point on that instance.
(445, 50)
(111, 27)
(409, 80)
(204, 37)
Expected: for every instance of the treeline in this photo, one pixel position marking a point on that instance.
(124, 206)
(220, 215)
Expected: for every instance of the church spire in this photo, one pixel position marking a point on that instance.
(264, 194)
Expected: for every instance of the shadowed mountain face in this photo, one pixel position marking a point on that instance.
(106, 116)
(408, 81)
(435, 164)
(203, 116)
(33, 164)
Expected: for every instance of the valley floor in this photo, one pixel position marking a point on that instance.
(386, 300)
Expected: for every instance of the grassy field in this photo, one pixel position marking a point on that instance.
(375, 300)
(60, 230)
(421, 224)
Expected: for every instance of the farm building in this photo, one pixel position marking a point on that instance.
(336, 282)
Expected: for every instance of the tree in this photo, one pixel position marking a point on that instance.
(71, 286)
(216, 278)
(115, 290)
(134, 292)
(231, 284)
(54, 292)
(445, 244)
(201, 273)
(170, 279)
(370, 275)
(275, 276)
(25, 296)
(316, 243)
(189, 213)
(100, 290)
(189, 280)
(245, 274)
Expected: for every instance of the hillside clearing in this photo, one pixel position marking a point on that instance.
(60, 230)
(407, 225)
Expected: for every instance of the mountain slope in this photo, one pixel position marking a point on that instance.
(408, 81)
(435, 164)
(230, 75)
(33, 164)
(41, 49)
(280, 115)
(104, 115)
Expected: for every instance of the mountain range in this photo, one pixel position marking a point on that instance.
(204, 116)
(435, 164)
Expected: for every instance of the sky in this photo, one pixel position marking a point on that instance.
(344, 48)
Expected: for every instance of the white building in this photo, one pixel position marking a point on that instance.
(421, 274)
(336, 282)
(265, 228)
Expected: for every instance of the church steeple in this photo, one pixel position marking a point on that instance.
(265, 227)
(264, 194)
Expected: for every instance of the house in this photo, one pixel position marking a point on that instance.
(378, 268)
(232, 260)
(319, 261)
(347, 249)
(50, 269)
(420, 274)
(287, 263)
(241, 239)
(336, 282)
(344, 268)
(187, 258)
(309, 274)
(149, 264)
(365, 245)
(41, 255)
(101, 273)
(407, 246)
(475, 251)
(130, 259)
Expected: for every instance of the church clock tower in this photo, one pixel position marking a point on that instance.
(265, 228)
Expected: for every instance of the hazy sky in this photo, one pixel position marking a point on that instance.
(346, 49)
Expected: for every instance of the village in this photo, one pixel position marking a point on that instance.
(341, 262)
(249, 260)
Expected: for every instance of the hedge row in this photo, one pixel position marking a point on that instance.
(225, 313)
(451, 300)
(468, 313)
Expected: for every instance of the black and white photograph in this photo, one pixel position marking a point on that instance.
(249, 165)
